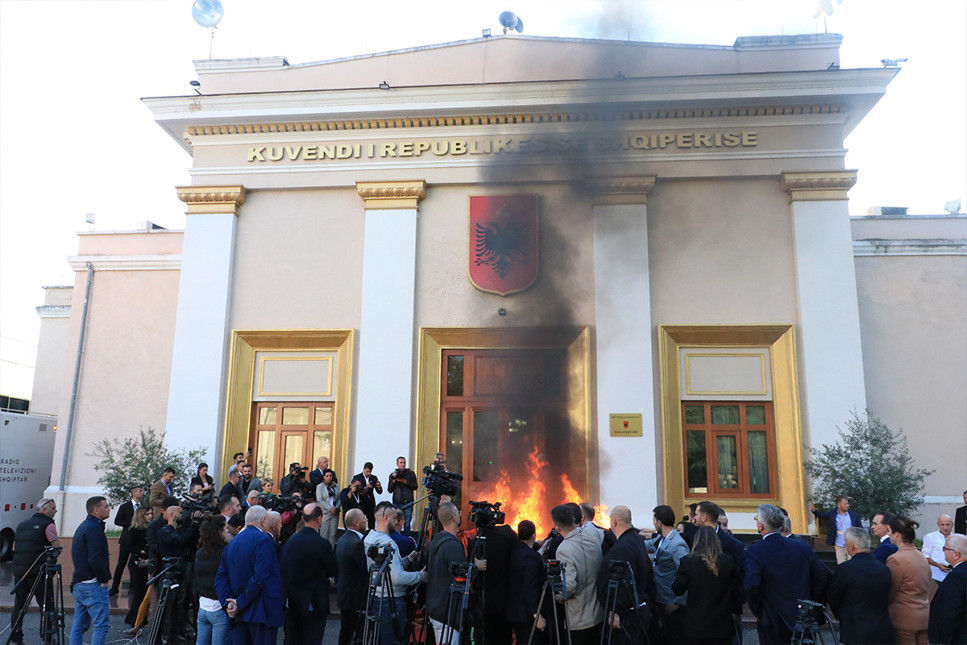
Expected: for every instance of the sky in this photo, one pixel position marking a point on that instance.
(76, 139)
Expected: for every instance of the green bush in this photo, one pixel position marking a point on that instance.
(140, 460)
(871, 466)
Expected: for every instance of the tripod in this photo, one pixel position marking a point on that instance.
(555, 582)
(622, 574)
(807, 630)
(463, 575)
(381, 581)
(170, 574)
(52, 607)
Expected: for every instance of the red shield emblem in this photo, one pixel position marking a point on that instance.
(503, 242)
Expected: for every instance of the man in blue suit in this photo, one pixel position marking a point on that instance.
(838, 520)
(948, 611)
(249, 583)
(778, 573)
(880, 527)
(669, 549)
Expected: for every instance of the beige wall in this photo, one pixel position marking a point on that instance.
(298, 260)
(52, 350)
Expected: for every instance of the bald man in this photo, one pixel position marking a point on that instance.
(351, 585)
(445, 550)
(948, 611)
(629, 547)
(307, 564)
(933, 544)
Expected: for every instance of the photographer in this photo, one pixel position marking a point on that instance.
(290, 518)
(402, 580)
(33, 536)
(446, 550)
(295, 481)
(500, 541)
(367, 495)
(580, 551)
(402, 484)
(349, 498)
(176, 540)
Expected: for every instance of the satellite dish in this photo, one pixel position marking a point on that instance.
(509, 20)
(207, 13)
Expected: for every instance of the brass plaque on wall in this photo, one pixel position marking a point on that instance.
(625, 425)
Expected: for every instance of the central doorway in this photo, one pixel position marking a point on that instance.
(504, 426)
(286, 432)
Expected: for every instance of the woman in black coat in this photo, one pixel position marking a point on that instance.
(135, 540)
(711, 579)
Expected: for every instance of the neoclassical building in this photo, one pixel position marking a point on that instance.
(617, 270)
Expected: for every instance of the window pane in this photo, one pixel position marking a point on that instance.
(294, 448)
(728, 460)
(755, 415)
(454, 376)
(694, 414)
(725, 414)
(758, 463)
(323, 417)
(454, 447)
(295, 416)
(485, 466)
(264, 452)
(696, 466)
(267, 416)
(321, 446)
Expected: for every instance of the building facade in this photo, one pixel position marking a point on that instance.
(624, 272)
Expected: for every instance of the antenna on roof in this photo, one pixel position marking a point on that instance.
(509, 21)
(208, 13)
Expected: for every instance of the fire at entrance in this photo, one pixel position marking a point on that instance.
(506, 428)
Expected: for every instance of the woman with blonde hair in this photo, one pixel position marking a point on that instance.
(912, 586)
(711, 580)
(136, 541)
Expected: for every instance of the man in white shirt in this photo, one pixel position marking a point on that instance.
(933, 544)
(391, 618)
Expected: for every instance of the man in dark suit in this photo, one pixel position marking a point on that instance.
(231, 487)
(351, 585)
(707, 514)
(630, 625)
(880, 526)
(307, 564)
(960, 518)
(838, 519)
(526, 582)
(123, 519)
(860, 594)
(948, 611)
(249, 583)
(367, 494)
(779, 572)
(315, 477)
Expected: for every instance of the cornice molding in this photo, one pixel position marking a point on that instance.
(620, 190)
(54, 311)
(169, 262)
(207, 200)
(383, 195)
(817, 186)
(464, 120)
(909, 247)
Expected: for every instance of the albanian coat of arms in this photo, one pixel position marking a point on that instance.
(503, 242)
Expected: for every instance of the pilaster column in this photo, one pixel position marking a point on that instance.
(385, 401)
(622, 300)
(196, 397)
(832, 356)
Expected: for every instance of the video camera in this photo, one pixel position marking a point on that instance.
(204, 504)
(281, 503)
(811, 613)
(484, 514)
(441, 482)
(378, 553)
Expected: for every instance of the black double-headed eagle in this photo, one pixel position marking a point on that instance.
(502, 243)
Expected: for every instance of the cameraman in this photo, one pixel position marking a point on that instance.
(33, 536)
(500, 541)
(350, 498)
(445, 551)
(367, 496)
(402, 484)
(177, 540)
(402, 580)
(295, 481)
(631, 620)
(291, 517)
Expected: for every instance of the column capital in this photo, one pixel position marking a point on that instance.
(384, 195)
(824, 185)
(207, 200)
(620, 190)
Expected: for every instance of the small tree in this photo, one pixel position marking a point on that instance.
(871, 466)
(140, 460)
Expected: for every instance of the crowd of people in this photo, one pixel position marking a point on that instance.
(252, 565)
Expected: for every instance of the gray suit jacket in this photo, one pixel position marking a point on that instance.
(667, 558)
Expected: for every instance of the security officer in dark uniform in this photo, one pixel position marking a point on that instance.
(33, 536)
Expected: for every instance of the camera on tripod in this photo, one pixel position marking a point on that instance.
(378, 553)
(441, 482)
(553, 568)
(460, 570)
(484, 514)
(51, 553)
(811, 613)
(620, 571)
(172, 566)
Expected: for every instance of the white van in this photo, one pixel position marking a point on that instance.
(26, 455)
